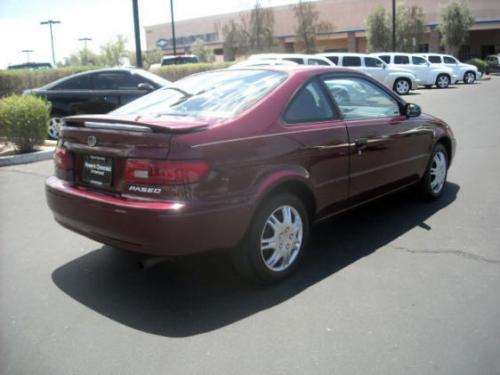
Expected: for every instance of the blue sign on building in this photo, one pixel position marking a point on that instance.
(162, 43)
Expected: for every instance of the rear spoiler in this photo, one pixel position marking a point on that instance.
(129, 124)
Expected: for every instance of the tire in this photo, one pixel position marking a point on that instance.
(264, 261)
(402, 86)
(442, 81)
(434, 180)
(469, 77)
(428, 86)
(55, 122)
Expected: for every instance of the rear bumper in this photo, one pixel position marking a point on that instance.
(156, 228)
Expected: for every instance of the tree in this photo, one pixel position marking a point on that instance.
(308, 25)
(200, 49)
(410, 27)
(379, 30)
(456, 19)
(149, 58)
(83, 57)
(259, 29)
(234, 41)
(113, 52)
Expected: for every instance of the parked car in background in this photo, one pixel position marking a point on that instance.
(399, 80)
(96, 91)
(32, 66)
(464, 72)
(255, 62)
(298, 58)
(493, 62)
(179, 60)
(242, 159)
(425, 74)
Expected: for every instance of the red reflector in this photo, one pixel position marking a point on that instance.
(62, 159)
(156, 172)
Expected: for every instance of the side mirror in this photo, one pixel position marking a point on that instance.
(428, 63)
(145, 87)
(412, 110)
(384, 66)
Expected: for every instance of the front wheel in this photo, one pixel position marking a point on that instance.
(434, 179)
(275, 241)
(469, 77)
(402, 86)
(442, 81)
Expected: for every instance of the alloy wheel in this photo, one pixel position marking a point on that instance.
(281, 238)
(438, 172)
(55, 124)
(443, 81)
(469, 77)
(402, 87)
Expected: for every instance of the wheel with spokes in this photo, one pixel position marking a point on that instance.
(434, 179)
(402, 86)
(275, 241)
(55, 123)
(442, 81)
(469, 77)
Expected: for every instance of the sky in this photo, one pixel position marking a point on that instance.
(101, 20)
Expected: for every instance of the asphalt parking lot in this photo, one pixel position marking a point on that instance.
(396, 287)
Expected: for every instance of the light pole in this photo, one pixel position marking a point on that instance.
(394, 25)
(27, 52)
(173, 23)
(137, 31)
(50, 23)
(85, 40)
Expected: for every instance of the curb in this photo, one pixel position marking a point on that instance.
(26, 158)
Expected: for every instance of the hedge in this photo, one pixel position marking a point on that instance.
(24, 121)
(481, 65)
(16, 81)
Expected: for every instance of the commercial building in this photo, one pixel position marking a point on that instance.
(348, 18)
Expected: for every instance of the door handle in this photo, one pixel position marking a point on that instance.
(361, 143)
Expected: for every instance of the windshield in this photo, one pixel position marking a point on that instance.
(220, 95)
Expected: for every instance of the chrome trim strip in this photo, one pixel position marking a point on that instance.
(388, 165)
(117, 126)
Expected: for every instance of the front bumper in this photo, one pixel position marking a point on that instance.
(156, 228)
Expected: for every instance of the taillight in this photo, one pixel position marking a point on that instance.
(62, 159)
(156, 172)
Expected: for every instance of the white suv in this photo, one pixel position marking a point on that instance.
(298, 58)
(426, 74)
(464, 72)
(399, 80)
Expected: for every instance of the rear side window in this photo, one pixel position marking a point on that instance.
(435, 59)
(333, 59)
(76, 83)
(295, 60)
(310, 104)
(115, 81)
(401, 59)
(372, 62)
(449, 60)
(351, 61)
(416, 60)
(386, 58)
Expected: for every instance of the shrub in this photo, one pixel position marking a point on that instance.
(481, 65)
(24, 121)
(176, 72)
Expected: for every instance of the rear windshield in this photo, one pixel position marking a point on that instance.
(220, 95)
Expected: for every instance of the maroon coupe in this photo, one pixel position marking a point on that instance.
(242, 159)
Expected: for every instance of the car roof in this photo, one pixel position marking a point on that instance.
(282, 55)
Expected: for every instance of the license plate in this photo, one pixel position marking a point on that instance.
(97, 170)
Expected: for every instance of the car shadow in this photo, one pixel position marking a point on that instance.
(202, 293)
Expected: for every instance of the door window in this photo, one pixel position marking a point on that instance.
(295, 60)
(386, 58)
(351, 61)
(401, 60)
(333, 59)
(81, 82)
(417, 60)
(435, 59)
(115, 81)
(372, 62)
(359, 99)
(317, 62)
(310, 104)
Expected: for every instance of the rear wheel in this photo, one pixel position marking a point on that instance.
(442, 81)
(434, 179)
(469, 77)
(402, 86)
(55, 123)
(275, 241)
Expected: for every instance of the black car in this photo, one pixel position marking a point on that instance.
(32, 66)
(96, 92)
